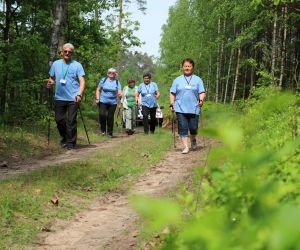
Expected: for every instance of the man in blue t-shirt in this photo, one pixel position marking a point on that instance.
(149, 93)
(68, 76)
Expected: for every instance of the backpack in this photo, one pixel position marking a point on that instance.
(117, 82)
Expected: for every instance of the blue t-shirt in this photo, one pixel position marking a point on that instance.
(147, 92)
(66, 79)
(109, 89)
(187, 90)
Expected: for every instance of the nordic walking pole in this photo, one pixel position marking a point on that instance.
(87, 136)
(173, 130)
(49, 113)
(201, 127)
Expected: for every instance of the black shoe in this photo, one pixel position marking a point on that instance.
(63, 143)
(110, 135)
(152, 132)
(70, 146)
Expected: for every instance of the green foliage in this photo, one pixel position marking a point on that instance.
(212, 32)
(247, 196)
(92, 26)
(25, 205)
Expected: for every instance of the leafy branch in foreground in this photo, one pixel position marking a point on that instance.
(251, 198)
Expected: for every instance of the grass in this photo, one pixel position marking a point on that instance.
(30, 140)
(25, 205)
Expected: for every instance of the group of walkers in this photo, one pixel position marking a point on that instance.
(187, 95)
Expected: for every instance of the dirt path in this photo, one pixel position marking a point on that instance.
(82, 151)
(109, 222)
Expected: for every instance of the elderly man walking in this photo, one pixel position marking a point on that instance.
(68, 76)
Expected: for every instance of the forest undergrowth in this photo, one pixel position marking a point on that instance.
(246, 195)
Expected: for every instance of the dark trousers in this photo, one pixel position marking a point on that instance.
(65, 117)
(186, 123)
(106, 117)
(146, 111)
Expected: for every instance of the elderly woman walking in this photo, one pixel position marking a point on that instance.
(129, 100)
(108, 94)
(187, 95)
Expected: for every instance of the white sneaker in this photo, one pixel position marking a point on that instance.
(185, 150)
(194, 144)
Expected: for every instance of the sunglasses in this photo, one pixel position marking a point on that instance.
(111, 72)
(68, 52)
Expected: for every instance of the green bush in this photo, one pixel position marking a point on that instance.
(248, 195)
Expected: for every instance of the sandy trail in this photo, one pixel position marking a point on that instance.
(110, 222)
(81, 152)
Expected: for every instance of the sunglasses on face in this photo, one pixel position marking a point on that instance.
(68, 52)
(111, 72)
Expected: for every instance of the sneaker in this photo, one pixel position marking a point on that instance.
(185, 150)
(103, 133)
(194, 144)
(110, 135)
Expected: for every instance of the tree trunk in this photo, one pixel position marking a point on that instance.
(60, 15)
(208, 77)
(120, 49)
(228, 75)
(273, 51)
(245, 83)
(283, 50)
(5, 52)
(221, 87)
(237, 71)
(218, 64)
(252, 75)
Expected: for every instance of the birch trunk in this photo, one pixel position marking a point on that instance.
(222, 59)
(59, 21)
(273, 51)
(283, 50)
(208, 78)
(228, 75)
(245, 83)
(218, 65)
(252, 75)
(120, 50)
(237, 71)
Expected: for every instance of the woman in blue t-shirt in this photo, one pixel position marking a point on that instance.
(187, 95)
(149, 94)
(108, 94)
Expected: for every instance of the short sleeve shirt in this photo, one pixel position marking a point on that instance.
(147, 91)
(109, 89)
(66, 79)
(187, 90)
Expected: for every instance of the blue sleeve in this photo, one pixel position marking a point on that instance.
(52, 70)
(139, 90)
(119, 86)
(156, 87)
(201, 87)
(80, 70)
(173, 88)
(101, 83)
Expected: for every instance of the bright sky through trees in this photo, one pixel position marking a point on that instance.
(151, 24)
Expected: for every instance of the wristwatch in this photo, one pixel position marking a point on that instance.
(79, 96)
